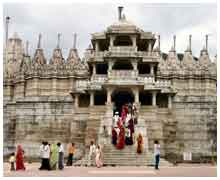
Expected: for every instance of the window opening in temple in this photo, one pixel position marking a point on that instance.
(142, 45)
(121, 98)
(84, 100)
(90, 69)
(103, 45)
(162, 100)
(145, 98)
(122, 41)
(100, 97)
(122, 65)
(102, 68)
(143, 68)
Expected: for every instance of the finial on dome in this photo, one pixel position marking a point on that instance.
(6, 32)
(74, 41)
(58, 40)
(120, 8)
(190, 43)
(27, 46)
(206, 41)
(39, 41)
(174, 42)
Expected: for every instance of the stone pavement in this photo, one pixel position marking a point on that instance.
(185, 170)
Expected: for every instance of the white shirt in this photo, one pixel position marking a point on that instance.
(92, 149)
(61, 148)
(41, 150)
(46, 152)
(156, 149)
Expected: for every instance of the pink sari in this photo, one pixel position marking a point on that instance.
(98, 160)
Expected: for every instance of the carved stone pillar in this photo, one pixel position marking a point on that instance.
(149, 47)
(151, 69)
(94, 69)
(91, 98)
(76, 100)
(136, 96)
(96, 46)
(110, 64)
(154, 96)
(134, 44)
(134, 64)
(112, 39)
(169, 101)
(109, 93)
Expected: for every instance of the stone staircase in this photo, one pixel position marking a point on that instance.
(124, 157)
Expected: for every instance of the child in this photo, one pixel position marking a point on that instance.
(12, 161)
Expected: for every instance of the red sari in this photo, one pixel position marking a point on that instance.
(121, 139)
(20, 159)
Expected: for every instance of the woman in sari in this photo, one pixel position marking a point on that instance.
(98, 158)
(121, 138)
(139, 144)
(53, 157)
(114, 136)
(20, 159)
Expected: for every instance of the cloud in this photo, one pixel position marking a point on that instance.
(167, 19)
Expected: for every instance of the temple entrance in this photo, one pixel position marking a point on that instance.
(120, 98)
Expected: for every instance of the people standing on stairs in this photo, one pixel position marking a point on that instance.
(20, 158)
(135, 114)
(157, 153)
(114, 136)
(98, 158)
(91, 156)
(54, 156)
(46, 157)
(121, 138)
(71, 151)
(12, 161)
(139, 144)
(116, 119)
(60, 156)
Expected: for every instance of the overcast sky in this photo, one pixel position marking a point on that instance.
(28, 20)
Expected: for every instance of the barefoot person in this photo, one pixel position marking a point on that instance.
(139, 144)
(91, 156)
(20, 159)
(53, 157)
(12, 161)
(71, 151)
(60, 156)
(98, 158)
(157, 153)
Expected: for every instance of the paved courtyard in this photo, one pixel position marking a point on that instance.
(186, 170)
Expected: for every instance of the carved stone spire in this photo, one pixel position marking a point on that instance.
(57, 58)
(73, 57)
(39, 58)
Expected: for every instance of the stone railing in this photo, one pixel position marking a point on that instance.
(163, 84)
(122, 48)
(146, 80)
(98, 78)
(123, 74)
(81, 84)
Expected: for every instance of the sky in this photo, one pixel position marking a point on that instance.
(28, 20)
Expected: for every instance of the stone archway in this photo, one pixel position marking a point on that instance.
(121, 97)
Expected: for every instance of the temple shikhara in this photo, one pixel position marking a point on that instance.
(123, 86)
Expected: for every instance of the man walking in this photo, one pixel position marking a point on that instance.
(92, 150)
(157, 154)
